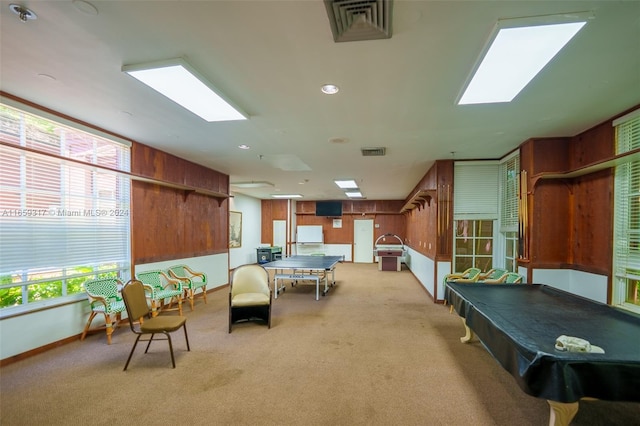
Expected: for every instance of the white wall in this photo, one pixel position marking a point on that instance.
(422, 267)
(251, 209)
(30, 331)
(215, 266)
(585, 284)
(23, 333)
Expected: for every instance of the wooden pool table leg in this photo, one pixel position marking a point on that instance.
(562, 413)
(468, 332)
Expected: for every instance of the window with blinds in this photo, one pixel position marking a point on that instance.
(509, 185)
(475, 211)
(476, 190)
(627, 214)
(64, 210)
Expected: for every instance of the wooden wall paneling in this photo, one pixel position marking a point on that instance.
(157, 222)
(389, 224)
(170, 223)
(550, 155)
(593, 223)
(389, 206)
(550, 243)
(592, 146)
(266, 221)
(364, 206)
(271, 210)
(442, 220)
(155, 164)
(306, 207)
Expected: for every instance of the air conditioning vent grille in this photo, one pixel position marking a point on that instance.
(373, 152)
(355, 20)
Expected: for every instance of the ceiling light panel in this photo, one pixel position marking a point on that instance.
(286, 195)
(518, 50)
(346, 184)
(179, 82)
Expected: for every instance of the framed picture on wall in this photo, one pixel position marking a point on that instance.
(235, 229)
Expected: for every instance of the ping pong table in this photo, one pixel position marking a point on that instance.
(519, 325)
(314, 268)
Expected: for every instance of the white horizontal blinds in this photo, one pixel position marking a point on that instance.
(627, 201)
(59, 215)
(509, 184)
(476, 190)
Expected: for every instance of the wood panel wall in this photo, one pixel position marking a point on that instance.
(385, 214)
(271, 210)
(430, 228)
(571, 220)
(169, 223)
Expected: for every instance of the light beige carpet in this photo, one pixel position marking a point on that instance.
(375, 351)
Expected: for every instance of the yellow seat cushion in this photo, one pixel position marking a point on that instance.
(250, 299)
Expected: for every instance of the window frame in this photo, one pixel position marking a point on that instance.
(15, 143)
(627, 138)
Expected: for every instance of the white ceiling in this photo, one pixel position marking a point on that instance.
(271, 57)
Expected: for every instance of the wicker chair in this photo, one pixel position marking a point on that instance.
(471, 275)
(492, 274)
(191, 281)
(104, 298)
(158, 287)
(508, 278)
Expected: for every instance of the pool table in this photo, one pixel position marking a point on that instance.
(519, 325)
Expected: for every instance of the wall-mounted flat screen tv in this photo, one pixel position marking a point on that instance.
(329, 208)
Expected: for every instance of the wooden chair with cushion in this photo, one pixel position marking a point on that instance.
(159, 287)
(104, 298)
(249, 295)
(191, 281)
(143, 323)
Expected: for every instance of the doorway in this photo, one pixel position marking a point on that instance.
(363, 241)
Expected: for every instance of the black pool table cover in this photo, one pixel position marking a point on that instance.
(519, 324)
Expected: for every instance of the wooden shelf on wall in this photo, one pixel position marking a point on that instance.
(633, 155)
(419, 199)
(218, 196)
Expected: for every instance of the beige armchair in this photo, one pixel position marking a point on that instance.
(249, 295)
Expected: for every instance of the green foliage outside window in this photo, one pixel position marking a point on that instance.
(43, 290)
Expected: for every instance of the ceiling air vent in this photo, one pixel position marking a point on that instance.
(373, 152)
(355, 20)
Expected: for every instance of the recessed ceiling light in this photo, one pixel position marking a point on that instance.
(346, 184)
(23, 13)
(85, 7)
(47, 76)
(286, 195)
(179, 82)
(338, 140)
(518, 50)
(243, 146)
(330, 89)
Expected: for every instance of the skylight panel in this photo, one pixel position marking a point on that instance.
(176, 80)
(515, 56)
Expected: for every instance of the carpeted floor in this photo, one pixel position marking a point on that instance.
(375, 351)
